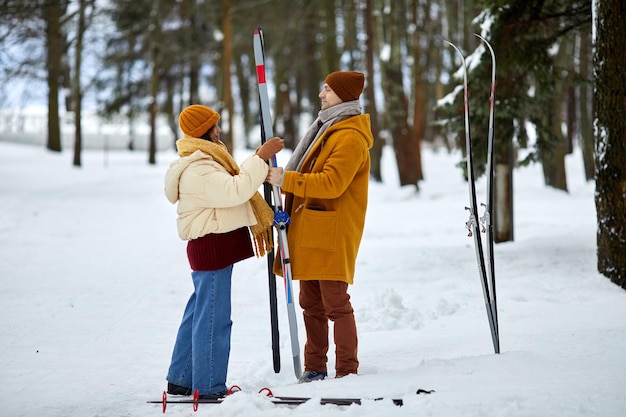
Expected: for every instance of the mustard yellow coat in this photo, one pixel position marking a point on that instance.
(327, 201)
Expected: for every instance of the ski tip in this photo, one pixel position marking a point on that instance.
(424, 391)
(233, 389)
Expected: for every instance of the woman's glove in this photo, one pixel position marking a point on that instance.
(270, 148)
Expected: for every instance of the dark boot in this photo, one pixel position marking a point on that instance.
(174, 389)
(215, 396)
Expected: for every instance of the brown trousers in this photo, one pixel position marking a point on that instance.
(323, 301)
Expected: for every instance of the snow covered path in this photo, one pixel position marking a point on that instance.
(94, 281)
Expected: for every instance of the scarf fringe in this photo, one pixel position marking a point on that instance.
(262, 232)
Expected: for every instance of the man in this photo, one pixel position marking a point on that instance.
(326, 185)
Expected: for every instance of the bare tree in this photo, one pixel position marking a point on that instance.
(155, 44)
(585, 104)
(227, 60)
(77, 90)
(396, 101)
(552, 153)
(420, 16)
(53, 15)
(370, 91)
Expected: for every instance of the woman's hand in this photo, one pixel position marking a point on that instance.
(270, 148)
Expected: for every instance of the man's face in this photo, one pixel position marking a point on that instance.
(329, 98)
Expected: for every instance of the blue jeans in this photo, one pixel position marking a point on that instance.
(202, 349)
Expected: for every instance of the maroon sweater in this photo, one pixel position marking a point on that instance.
(218, 250)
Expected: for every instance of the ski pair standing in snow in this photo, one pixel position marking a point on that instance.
(326, 187)
(485, 260)
(219, 208)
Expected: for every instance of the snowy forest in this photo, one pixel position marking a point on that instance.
(559, 76)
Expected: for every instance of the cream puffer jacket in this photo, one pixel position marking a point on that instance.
(210, 200)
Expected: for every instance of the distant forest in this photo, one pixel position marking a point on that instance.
(154, 57)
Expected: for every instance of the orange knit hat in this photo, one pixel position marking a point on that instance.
(348, 85)
(196, 120)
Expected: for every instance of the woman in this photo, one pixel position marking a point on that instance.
(218, 209)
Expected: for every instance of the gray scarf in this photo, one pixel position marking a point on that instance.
(326, 118)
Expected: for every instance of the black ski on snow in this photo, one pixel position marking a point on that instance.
(282, 400)
(486, 269)
(487, 219)
(267, 191)
(266, 133)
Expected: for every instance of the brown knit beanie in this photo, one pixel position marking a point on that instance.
(196, 120)
(348, 85)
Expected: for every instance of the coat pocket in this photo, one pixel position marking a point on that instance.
(318, 229)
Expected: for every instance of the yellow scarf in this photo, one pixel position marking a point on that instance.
(262, 230)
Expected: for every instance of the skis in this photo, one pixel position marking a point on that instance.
(486, 268)
(330, 400)
(281, 400)
(267, 191)
(281, 218)
(295, 401)
(487, 219)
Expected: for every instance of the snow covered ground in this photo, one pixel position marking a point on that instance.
(93, 282)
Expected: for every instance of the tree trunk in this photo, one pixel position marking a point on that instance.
(504, 142)
(586, 106)
(310, 65)
(192, 14)
(610, 136)
(154, 109)
(396, 101)
(194, 79)
(55, 40)
(572, 117)
(570, 95)
(77, 94)
(155, 53)
(370, 96)
(227, 59)
(419, 92)
(554, 151)
(435, 90)
(285, 118)
(168, 106)
(286, 93)
(243, 80)
(330, 58)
